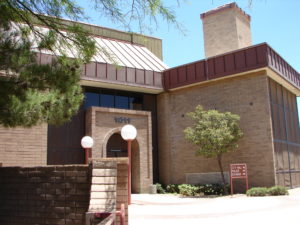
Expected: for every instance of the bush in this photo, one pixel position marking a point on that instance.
(277, 190)
(257, 191)
(206, 189)
(188, 190)
(172, 188)
(272, 191)
(214, 189)
(160, 189)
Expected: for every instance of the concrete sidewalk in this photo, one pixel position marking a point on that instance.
(234, 210)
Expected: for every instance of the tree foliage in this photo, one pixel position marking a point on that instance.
(214, 133)
(140, 13)
(33, 93)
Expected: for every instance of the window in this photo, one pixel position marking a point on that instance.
(91, 99)
(107, 100)
(136, 103)
(122, 102)
(113, 99)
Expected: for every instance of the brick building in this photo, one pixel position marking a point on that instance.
(250, 80)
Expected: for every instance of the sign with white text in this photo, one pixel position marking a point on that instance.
(238, 171)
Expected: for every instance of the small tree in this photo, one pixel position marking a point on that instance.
(214, 133)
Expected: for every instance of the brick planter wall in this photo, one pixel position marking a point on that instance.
(52, 195)
(44, 195)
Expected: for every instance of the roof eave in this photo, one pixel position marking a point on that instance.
(90, 82)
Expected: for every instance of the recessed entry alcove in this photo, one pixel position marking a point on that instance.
(104, 126)
(117, 147)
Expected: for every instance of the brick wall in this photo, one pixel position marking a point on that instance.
(247, 96)
(225, 31)
(23, 146)
(51, 195)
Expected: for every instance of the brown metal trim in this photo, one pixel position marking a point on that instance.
(111, 74)
(235, 62)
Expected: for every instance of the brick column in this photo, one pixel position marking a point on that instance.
(109, 187)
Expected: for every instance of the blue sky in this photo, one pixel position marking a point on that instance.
(276, 22)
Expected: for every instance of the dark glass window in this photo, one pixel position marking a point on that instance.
(113, 99)
(122, 102)
(107, 100)
(136, 103)
(91, 99)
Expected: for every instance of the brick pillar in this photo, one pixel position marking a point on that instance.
(109, 187)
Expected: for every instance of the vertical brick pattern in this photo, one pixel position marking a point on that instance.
(247, 96)
(23, 146)
(286, 135)
(52, 195)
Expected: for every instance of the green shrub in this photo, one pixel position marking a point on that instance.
(272, 191)
(277, 190)
(257, 191)
(172, 188)
(214, 189)
(194, 190)
(188, 190)
(160, 189)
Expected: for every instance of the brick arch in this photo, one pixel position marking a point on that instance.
(101, 124)
(106, 138)
(108, 135)
(135, 150)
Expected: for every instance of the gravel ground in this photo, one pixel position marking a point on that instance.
(234, 210)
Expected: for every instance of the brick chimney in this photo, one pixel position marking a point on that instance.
(225, 29)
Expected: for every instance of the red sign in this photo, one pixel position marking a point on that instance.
(238, 171)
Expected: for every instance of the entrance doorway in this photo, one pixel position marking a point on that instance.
(117, 147)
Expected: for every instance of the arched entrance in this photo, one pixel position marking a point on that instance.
(117, 147)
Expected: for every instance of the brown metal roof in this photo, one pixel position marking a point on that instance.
(221, 66)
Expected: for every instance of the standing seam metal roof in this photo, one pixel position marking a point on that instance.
(126, 54)
(118, 52)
